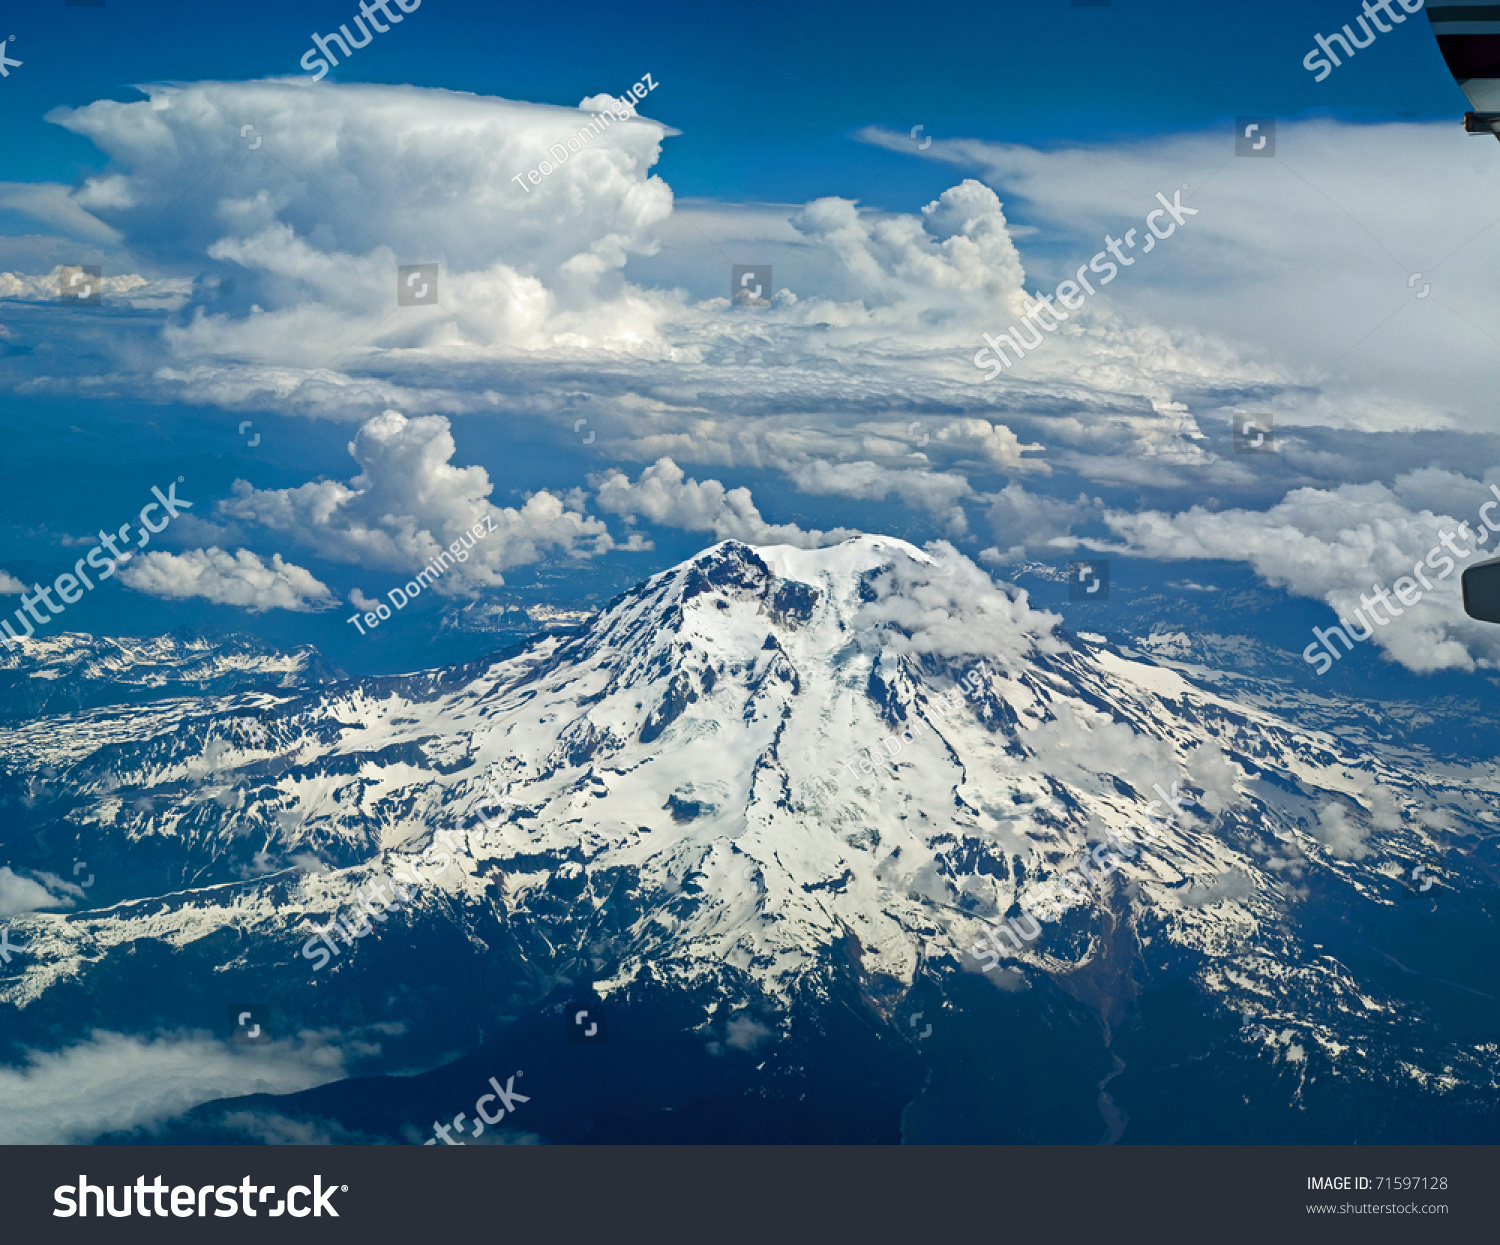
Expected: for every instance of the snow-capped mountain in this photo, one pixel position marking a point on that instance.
(754, 779)
(61, 673)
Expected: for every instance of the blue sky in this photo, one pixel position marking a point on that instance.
(766, 93)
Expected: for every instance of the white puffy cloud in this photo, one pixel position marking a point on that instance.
(592, 293)
(946, 605)
(117, 1081)
(1340, 835)
(746, 1033)
(1212, 770)
(360, 178)
(1225, 887)
(1022, 521)
(409, 503)
(9, 584)
(899, 269)
(296, 258)
(1340, 545)
(19, 895)
(241, 579)
(664, 494)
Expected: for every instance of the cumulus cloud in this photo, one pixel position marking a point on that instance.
(54, 205)
(1218, 777)
(1385, 811)
(241, 579)
(417, 175)
(270, 1128)
(118, 1081)
(1022, 521)
(899, 268)
(409, 504)
(10, 585)
(664, 494)
(294, 305)
(944, 604)
(1339, 545)
(592, 293)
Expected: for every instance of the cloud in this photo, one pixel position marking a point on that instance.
(1225, 887)
(241, 579)
(536, 318)
(1308, 266)
(946, 605)
(10, 585)
(1076, 747)
(1339, 545)
(935, 492)
(897, 268)
(366, 177)
(745, 1033)
(664, 494)
(1022, 521)
(20, 895)
(54, 205)
(410, 503)
(1212, 770)
(593, 295)
(117, 1081)
(1340, 835)
(270, 1128)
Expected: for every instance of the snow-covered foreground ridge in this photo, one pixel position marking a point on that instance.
(675, 800)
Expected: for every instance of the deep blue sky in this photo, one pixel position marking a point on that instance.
(766, 92)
